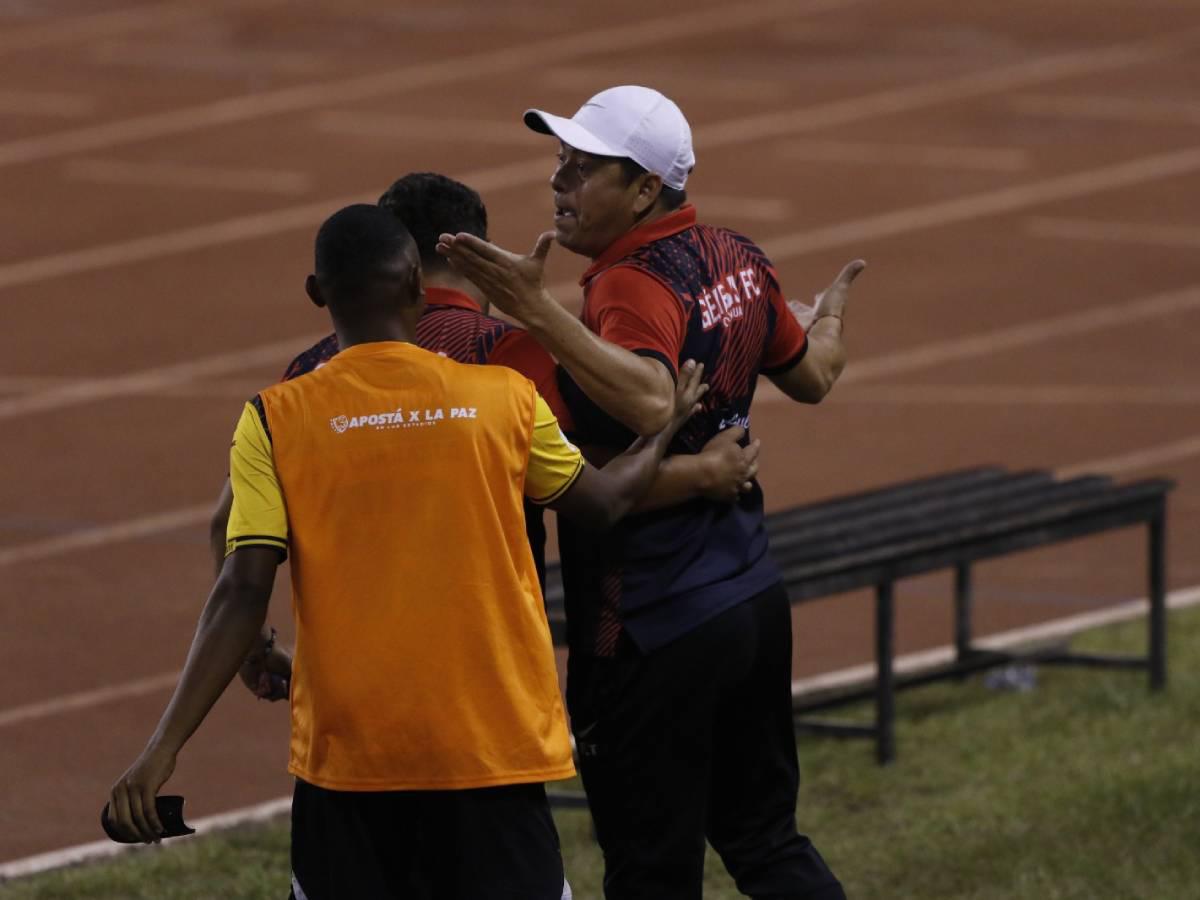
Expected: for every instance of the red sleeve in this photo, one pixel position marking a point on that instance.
(518, 350)
(788, 340)
(634, 310)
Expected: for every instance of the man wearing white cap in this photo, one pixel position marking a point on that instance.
(679, 676)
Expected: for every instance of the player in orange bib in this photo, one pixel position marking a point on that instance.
(425, 706)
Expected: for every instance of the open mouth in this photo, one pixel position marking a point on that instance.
(562, 214)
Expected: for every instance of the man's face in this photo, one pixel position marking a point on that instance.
(593, 203)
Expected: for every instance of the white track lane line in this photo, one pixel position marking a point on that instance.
(97, 850)
(54, 104)
(732, 132)
(855, 675)
(862, 153)
(454, 69)
(403, 129)
(852, 233)
(109, 693)
(188, 177)
(91, 390)
(1140, 110)
(1012, 199)
(1055, 629)
(1136, 460)
(929, 355)
(119, 21)
(1021, 395)
(1185, 237)
(115, 532)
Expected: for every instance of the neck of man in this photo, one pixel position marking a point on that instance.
(449, 279)
(401, 327)
(655, 213)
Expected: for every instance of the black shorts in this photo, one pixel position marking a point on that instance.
(499, 843)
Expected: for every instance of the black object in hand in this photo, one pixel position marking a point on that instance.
(170, 814)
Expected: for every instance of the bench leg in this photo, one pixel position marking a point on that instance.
(1158, 600)
(885, 683)
(962, 611)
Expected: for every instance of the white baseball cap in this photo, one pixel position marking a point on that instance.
(630, 121)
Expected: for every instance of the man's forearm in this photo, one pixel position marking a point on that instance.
(228, 628)
(814, 376)
(634, 390)
(630, 475)
(679, 478)
(825, 338)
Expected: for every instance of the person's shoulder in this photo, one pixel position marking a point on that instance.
(313, 358)
(722, 233)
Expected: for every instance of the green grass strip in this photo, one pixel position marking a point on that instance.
(1086, 787)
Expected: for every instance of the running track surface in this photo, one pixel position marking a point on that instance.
(1021, 178)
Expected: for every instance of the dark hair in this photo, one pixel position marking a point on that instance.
(358, 246)
(431, 205)
(669, 197)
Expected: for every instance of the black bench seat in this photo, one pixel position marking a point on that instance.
(874, 538)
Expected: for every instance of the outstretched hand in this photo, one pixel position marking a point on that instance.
(831, 301)
(514, 283)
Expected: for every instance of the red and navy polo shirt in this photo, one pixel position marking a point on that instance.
(673, 290)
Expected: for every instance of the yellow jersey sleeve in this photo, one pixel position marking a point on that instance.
(554, 462)
(258, 517)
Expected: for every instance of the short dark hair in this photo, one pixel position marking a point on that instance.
(431, 205)
(671, 198)
(358, 246)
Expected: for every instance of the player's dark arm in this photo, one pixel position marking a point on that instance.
(722, 470)
(601, 497)
(218, 525)
(814, 376)
(615, 379)
(229, 625)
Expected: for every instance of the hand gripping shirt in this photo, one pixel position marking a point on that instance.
(394, 480)
(674, 290)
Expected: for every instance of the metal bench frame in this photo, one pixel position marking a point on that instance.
(951, 521)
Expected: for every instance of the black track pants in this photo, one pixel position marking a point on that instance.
(696, 740)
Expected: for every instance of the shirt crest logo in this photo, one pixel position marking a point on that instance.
(339, 424)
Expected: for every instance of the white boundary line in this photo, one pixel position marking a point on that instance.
(928, 355)
(721, 134)
(98, 850)
(1144, 110)
(367, 124)
(853, 232)
(46, 103)
(1005, 640)
(175, 175)
(406, 79)
(119, 21)
(114, 532)
(1138, 459)
(1022, 395)
(1118, 232)
(875, 153)
(843, 678)
(87, 699)
(732, 132)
